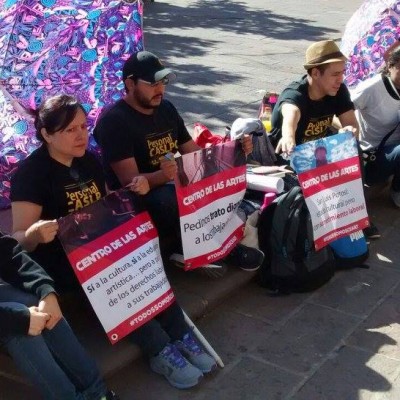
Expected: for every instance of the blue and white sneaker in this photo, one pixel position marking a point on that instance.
(192, 350)
(179, 372)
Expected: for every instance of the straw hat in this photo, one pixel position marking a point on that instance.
(323, 52)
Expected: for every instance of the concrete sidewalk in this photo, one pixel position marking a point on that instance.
(227, 52)
(338, 343)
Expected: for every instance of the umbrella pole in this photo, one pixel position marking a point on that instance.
(203, 341)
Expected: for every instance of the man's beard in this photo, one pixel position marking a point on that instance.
(145, 103)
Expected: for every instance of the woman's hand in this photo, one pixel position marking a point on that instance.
(49, 305)
(37, 321)
(42, 231)
(139, 185)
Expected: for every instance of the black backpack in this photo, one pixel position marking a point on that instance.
(285, 236)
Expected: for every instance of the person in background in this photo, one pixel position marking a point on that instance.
(64, 177)
(317, 105)
(377, 102)
(35, 334)
(140, 134)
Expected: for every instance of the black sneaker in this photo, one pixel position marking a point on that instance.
(246, 258)
(371, 232)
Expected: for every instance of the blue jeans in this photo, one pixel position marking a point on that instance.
(55, 362)
(387, 163)
(166, 327)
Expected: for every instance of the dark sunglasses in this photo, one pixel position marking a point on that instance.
(164, 81)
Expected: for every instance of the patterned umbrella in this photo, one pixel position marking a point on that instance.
(52, 46)
(371, 30)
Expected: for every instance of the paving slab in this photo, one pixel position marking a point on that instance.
(304, 340)
(352, 374)
(232, 334)
(357, 291)
(271, 383)
(255, 301)
(380, 332)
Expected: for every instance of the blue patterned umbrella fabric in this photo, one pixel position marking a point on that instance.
(369, 33)
(53, 46)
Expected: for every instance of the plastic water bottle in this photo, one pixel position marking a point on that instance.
(267, 106)
(268, 199)
(266, 118)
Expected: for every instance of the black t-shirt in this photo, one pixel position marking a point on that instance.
(59, 190)
(316, 116)
(123, 132)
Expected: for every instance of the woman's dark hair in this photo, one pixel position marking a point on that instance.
(55, 114)
(393, 59)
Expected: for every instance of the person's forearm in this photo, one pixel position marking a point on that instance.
(26, 240)
(288, 133)
(156, 179)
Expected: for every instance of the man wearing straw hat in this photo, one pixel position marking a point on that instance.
(306, 108)
(317, 105)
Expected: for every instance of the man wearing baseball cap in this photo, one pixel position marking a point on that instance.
(317, 105)
(140, 134)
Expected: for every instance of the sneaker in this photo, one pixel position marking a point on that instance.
(371, 232)
(246, 258)
(110, 395)
(395, 197)
(192, 350)
(176, 369)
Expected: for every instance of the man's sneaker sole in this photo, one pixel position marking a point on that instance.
(250, 269)
(212, 369)
(256, 267)
(371, 235)
(175, 384)
(376, 236)
(395, 196)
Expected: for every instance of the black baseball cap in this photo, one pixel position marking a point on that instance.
(147, 66)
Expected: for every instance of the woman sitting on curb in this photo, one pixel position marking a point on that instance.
(63, 177)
